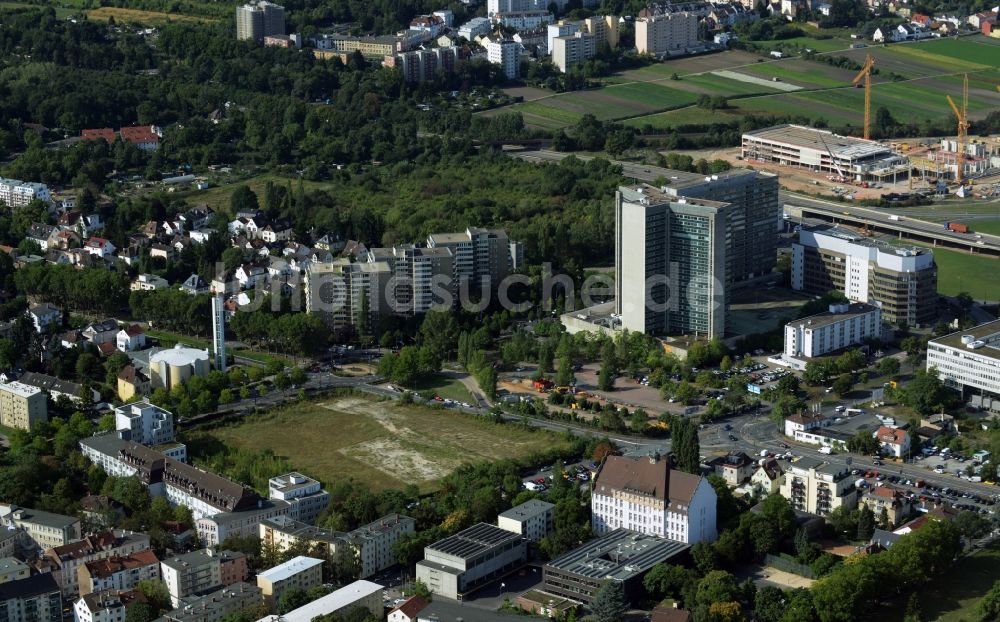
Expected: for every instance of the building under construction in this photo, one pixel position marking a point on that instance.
(851, 159)
(940, 162)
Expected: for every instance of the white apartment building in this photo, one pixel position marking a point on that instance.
(818, 487)
(901, 281)
(842, 326)
(214, 529)
(201, 571)
(803, 421)
(258, 19)
(341, 292)
(119, 573)
(300, 572)
(64, 562)
(560, 29)
(478, 254)
(17, 193)
(44, 528)
(422, 278)
(648, 496)
(968, 361)
(671, 33)
(358, 594)
(532, 519)
(22, 406)
(474, 27)
(373, 542)
(305, 496)
(108, 606)
(571, 50)
(524, 20)
(144, 423)
(507, 54)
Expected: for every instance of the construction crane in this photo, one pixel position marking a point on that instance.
(866, 73)
(963, 127)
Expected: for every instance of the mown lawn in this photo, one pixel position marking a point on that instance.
(955, 595)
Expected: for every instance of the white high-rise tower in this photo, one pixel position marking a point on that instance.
(219, 331)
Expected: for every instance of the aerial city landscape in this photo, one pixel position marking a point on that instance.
(499, 310)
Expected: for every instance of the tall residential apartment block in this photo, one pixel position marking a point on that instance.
(348, 294)
(901, 280)
(258, 19)
(200, 572)
(22, 406)
(422, 278)
(144, 423)
(507, 54)
(571, 50)
(753, 217)
(478, 254)
(670, 263)
(304, 495)
(424, 65)
(671, 33)
(35, 599)
(819, 487)
(648, 496)
(17, 193)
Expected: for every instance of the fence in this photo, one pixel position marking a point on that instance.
(788, 565)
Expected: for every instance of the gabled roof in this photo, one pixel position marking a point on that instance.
(412, 606)
(103, 133)
(139, 134)
(895, 436)
(650, 477)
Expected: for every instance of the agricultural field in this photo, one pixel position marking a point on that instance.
(685, 116)
(817, 45)
(807, 74)
(383, 443)
(61, 11)
(121, 15)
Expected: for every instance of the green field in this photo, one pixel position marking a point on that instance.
(684, 116)
(809, 76)
(217, 196)
(447, 388)
(986, 226)
(966, 51)
(965, 272)
(61, 12)
(385, 444)
(817, 45)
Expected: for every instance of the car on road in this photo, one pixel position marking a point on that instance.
(784, 445)
(732, 438)
(727, 427)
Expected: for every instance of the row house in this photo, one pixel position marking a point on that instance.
(64, 561)
(118, 572)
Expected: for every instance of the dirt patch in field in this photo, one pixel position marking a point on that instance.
(392, 458)
(529, 93)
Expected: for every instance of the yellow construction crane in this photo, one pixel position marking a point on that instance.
(963, 127)
(866, 73)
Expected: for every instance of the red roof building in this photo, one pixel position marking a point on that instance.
(142, 136)
(105, 133)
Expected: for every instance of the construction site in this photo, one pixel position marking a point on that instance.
(960, 165)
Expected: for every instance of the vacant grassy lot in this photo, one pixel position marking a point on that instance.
(217, 196)
(986, 226)
(965, 272)
(448, 388)
(956, 594)
(144, 17)
(691, 115)
(382, 443)
(61, 12)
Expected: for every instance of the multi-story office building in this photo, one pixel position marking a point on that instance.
(305, 496)
(204, 493)
(902, 281)
(424, 65)
(422, 278)
(670, 33)
(65, 561)
(969, 360)
(345, 293)
(532, 519)
(621, 555)
(507, 54)
(819, 487)
(215, 606)
(571, 50)
(17, 193)
(303, 573)
(842, 326)
(470, 558)
(119, 573)
(258, 19)
(370, 47)
(670, 263)
(35, 599)
(22, 406)
(648, 496)
(753, 217)
(200, 572)
(144, 423)
(45, 529)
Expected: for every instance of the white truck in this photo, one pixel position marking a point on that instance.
(826, 450)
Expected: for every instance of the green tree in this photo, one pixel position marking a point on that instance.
(156, 594)
(843, 385)
(866, 523)
(140, 612)
(292, 599)
(769, 605)
(565, 376)
(243, 199)
(608, 604)
(989, 607)
(889, 366)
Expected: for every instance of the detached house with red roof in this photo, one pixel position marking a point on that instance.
(650, 497)
(131, 339)
(99, 247)
(145, 137)
(407, 612)
(894, 442)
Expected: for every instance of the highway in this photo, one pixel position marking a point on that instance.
(848, 214)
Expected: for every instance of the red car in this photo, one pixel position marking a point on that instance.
(540, 480)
